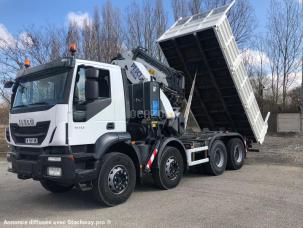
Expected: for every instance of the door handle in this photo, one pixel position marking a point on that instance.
(110, 126)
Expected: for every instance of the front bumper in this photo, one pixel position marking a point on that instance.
(76, 168)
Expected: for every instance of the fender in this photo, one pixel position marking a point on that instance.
(225, 135)
(137, 151)
(107, 140)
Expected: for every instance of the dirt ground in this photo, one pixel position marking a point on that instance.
(266, 192)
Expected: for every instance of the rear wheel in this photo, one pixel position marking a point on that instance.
(217, 159)
(55, 187)
(170, 170)
(235, 154)
(116, 180)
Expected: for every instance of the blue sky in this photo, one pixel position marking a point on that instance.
(15, 14)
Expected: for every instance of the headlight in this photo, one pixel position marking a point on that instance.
(10, 165)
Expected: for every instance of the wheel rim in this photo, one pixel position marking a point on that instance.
(219, 158)
(118, 179)
(238, 154)
(172, 168)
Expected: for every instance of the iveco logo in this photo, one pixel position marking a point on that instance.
(26, 123)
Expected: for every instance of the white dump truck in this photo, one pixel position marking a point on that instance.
(104, 127)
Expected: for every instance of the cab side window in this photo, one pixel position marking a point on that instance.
(79, 92)
(81, 103)
(104, 84)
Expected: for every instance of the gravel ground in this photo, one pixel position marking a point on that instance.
(283, 150)
(266, 192)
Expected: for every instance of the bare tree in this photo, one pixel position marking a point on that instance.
(40, 45)
(194, 6)
(274, 55)
(179, 8)
(134, 28)
(90, 37)
(285, 30)
(260, 79)
(241, 17)
(149, 33)
(145, 24)
(257, 64)
(161, 24)
(295, 97)
(87, 34)
(111, 32)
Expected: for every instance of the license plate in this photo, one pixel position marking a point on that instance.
(31, 140)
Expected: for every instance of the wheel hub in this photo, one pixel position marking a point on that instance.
(118, 179)
(172, 169)
(238, 154)
(219, 158)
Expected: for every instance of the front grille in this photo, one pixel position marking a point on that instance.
(19, 134)
(27, 153)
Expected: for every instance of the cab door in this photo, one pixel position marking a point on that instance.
(93, 105)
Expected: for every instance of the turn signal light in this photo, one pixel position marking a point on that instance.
(73, 48)
(27, 63)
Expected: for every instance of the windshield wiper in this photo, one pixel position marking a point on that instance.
(19, 106)
(40, 103)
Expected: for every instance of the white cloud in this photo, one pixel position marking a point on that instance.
(78, 18)
(300, 1)
(5, 37)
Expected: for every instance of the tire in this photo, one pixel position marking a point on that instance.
(55, 187)
(217, 159)
(170, 171)
(235, 154)
(118, 166)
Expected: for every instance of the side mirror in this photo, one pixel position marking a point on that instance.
(8, 84)
(91, 84)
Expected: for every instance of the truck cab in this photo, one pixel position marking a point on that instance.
(64, 108)
(74, 104)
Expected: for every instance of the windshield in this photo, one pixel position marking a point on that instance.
(45, 89)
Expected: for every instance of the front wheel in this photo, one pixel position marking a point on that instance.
(116, 180)
(55, 187)
(170, 170)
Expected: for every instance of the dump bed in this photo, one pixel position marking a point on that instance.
(203, 45)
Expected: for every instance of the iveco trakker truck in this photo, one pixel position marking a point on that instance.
(103, 127)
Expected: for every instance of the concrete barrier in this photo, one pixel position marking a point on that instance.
(290, 122)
